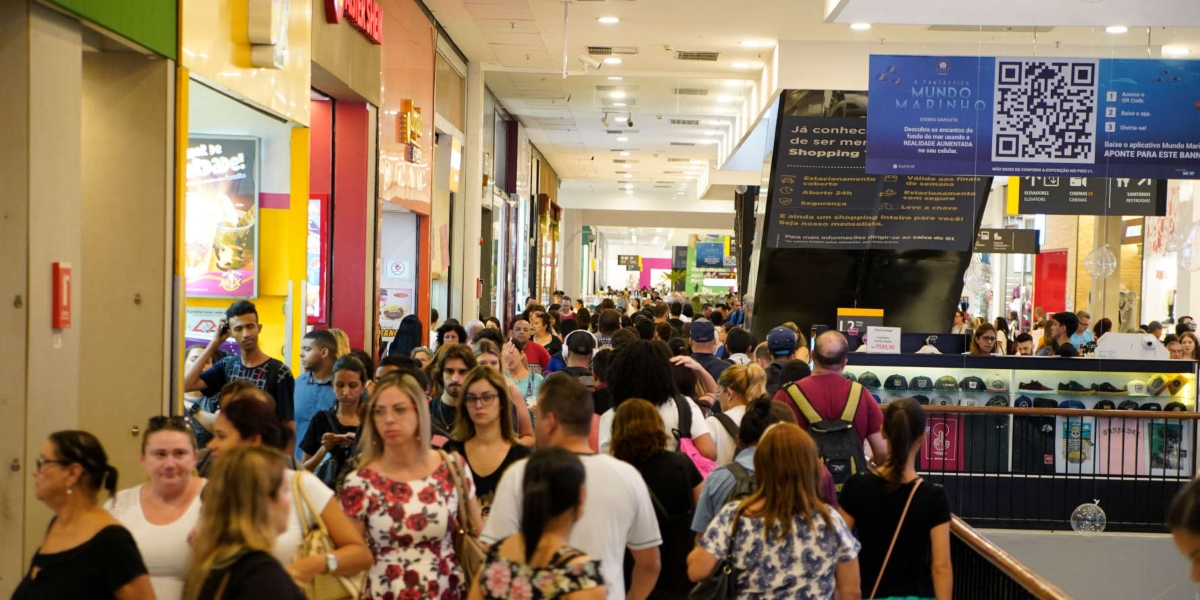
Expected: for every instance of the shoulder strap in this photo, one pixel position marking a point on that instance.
(730, 427)
(852, 402)
(464, 521)
(802, 403)
(224, 584)
(565, 555)
(685, 416)
(895, 536)
(307, 509)
(739, 472)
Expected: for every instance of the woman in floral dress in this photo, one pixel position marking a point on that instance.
(537, 563)
(403, 499)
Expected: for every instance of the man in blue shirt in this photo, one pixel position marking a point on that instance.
(704, 346)
(722, 481)
(738, 316)
(314, 389)
(1082, 334)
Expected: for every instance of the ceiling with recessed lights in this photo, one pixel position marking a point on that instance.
(643, 133)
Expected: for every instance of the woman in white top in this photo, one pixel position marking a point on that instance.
(249, 423)
(161, 514)
(736, 387)
(642, 369)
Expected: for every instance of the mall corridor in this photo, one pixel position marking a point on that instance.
(599, 299)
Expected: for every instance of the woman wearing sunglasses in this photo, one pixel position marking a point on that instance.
(162, 513)
(87, 554)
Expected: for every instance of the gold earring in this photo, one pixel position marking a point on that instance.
(70, 491)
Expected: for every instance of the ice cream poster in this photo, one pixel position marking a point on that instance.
(221, 219)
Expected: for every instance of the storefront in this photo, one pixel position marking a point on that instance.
(244, 154)
(342, 214)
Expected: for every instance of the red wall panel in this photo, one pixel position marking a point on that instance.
(320, 147)
(1050, 281)
(350, 245)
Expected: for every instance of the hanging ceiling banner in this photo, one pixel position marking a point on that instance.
(1124, 196)
(1026, 116)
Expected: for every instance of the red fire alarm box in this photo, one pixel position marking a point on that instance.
(61, 312)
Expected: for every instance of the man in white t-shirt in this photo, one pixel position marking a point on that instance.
(617, 511)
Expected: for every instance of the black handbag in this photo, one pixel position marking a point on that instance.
(721, 584)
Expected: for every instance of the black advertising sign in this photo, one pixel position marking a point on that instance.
(1007, 241)
(631, 262)
(679, 258)
(822, 197)
(1090, 196)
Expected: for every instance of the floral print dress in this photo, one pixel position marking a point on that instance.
(504, 580)
(410, 530)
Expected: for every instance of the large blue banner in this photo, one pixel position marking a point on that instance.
(710, 254)
(1034, 116)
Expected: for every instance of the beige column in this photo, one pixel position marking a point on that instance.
(1104, 298)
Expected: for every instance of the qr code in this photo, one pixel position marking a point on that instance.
(1045, 111)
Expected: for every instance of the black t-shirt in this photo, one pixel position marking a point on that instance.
(254, 576)
(671, 476)
(554, 347)
(282, 388)
(602, 399)
(485, 485)
(1068, 350)
(876, 513)
(93, 570)
(325, 422)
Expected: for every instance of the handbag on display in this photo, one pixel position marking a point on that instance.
(317, 542)
(471, 552)
(721, 584)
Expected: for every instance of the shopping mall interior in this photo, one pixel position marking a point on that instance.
(387, 166)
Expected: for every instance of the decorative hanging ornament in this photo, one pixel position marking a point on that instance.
(975, 279)
(1088, 519)
(1100, 263)
(1187, 254)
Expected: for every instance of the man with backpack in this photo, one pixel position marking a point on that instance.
(734, 481)
(838, 413)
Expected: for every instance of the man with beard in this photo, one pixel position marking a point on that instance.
(268, 374)
(456, 362)
(535, 354)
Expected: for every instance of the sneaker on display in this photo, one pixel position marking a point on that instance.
(1033, 387)
(1074, 387)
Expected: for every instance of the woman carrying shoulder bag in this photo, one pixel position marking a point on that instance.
(903, 522)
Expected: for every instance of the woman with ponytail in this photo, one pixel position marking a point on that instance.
(536, 563)
(87, 554)
(918, 565)
(736, 387)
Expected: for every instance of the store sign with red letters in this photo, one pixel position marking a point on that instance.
(365, 15)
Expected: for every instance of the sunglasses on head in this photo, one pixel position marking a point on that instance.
(174, 423)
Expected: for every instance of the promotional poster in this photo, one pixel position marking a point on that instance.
(221, 227)
(1027, 116)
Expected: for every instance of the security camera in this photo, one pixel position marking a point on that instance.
(741, 189)
(590, 62)
(629, 122)
(1149, 342)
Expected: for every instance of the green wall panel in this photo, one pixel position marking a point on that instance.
(151, 23)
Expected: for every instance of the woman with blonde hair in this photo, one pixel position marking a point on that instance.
(404, 498)
(786, 513)
(343, 342)
(736, 387)
(247, 504)
(485, 432)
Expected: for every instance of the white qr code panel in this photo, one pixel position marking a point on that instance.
(1045, 110)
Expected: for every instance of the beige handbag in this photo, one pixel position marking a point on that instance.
(317, 542)
(470, 551)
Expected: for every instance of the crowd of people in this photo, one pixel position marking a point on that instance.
(1067, 334)
(650, 455)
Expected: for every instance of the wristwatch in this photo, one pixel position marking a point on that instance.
(331, 563)
(193, 409)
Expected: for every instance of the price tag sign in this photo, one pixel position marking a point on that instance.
(883, 340)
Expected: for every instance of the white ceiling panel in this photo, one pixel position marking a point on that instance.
(1077, 13)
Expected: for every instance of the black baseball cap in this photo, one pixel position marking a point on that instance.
(1175, 407)
(869, 380)
(1105, 405)
(580, 342)
(998, 401)
(1128, 405)
(921, 399)
(1151, 406)
(921, 383)
(972, 384)
(896, 382)
(1045, 403)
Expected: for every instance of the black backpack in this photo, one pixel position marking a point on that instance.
(838, 443)
(743, 485)
(685, 421)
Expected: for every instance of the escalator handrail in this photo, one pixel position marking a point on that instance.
(1013, 568)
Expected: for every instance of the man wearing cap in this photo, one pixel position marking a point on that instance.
(828, 392)
(579, 346)
(704, 348)
(781, 343)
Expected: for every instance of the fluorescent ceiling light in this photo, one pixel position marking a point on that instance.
(615, 78)
(622, 139)
(723, 98)
(860, 26)
(742, 65)
(1117, 29)
(627, 175)
(706, 142)
(618, 95)
(737, 83)
(618, 104)
(612, 60)
(609, 20)
(1175, 50)
(755, 44)
(624, 154)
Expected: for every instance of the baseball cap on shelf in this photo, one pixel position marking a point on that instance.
(1105, 405)
(998, 401)
(1175, 407)
(972, 384)
(923, 399)
(703, 331)
(946, 383)
(1128, 405)
(1175, 384)
(997, 385)
(878, 400)
(967, 402)
(1072, 404)
(1045, 403)
(1023, 402)
(940, 401)
(1137, 388)
(1156, 385)
(1150, 406)
(869, 380)
(847, 375)
(780, 341)
(895, 382)
(921, 383)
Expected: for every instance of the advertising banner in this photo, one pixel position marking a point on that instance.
(710, 254)
(1084, 117)
(394, 304)
(221, 226)
(822, 197)
(1124, 196)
